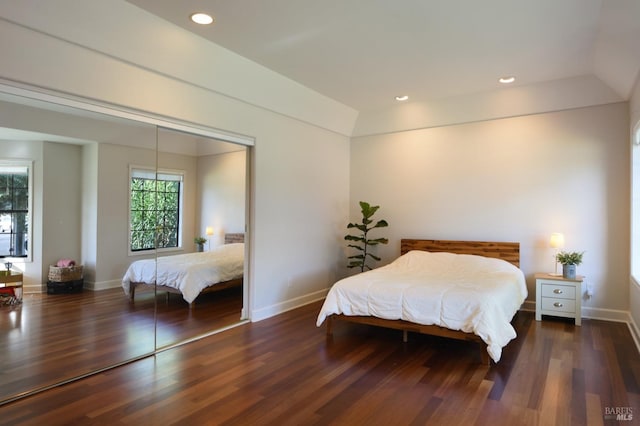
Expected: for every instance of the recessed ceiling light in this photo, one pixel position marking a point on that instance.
(402, 98)
(507, 80)
(201, 18)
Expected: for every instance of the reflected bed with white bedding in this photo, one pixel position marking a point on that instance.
(464, 296)
(189, 274)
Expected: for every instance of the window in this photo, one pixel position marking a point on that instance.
(15, 193)
(155, 207)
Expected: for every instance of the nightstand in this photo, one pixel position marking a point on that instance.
(558, 296)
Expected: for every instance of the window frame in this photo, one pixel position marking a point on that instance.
(155, 172)
(7, 162)
(635, 204)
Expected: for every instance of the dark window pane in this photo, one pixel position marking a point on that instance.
(14, 212)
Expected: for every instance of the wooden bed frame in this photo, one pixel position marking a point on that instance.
(509, 252)
(228, 239)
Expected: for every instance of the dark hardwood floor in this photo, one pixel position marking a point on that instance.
(50, 338)
(283, 371)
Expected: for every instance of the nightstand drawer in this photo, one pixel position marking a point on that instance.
(557, 291)
(558, 305)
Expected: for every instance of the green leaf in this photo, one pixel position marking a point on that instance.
(378, 241)
(367, 225)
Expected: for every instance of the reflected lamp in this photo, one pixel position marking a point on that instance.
(209, 232)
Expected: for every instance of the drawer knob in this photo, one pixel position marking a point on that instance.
(557, 291)
(558, 305)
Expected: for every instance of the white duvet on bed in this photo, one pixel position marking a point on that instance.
(190, 273)
(460, 292)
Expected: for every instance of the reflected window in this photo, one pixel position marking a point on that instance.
(15, 193)
(155, 209)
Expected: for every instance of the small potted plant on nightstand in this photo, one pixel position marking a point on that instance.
(569, 261)
(199, 241)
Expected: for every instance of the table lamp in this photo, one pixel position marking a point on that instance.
(557, 242)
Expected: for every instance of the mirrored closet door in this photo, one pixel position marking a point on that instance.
(75, 211)
(108, 192)
(201, 196)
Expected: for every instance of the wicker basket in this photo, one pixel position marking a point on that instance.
(64, 274)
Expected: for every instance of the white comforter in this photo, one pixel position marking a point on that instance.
(460, 292)
(190, 273)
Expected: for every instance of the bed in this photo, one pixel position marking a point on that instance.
(468, 290)
(190, 274)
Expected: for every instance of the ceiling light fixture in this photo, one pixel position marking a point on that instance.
(201, 18)
(507, 80)
(402, 98)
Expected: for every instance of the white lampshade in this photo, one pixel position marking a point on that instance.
(557, 240)
(209, 230)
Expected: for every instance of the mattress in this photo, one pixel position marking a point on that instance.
(190, 273)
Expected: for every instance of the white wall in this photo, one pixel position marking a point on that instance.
(56, 201)
(112, 213)
(515, 179)
(221, 194)
(62, 204)
(300, 169)
(89, 222)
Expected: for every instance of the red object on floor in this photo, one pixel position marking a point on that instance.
(7, 290)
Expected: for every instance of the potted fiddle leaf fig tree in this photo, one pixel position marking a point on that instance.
(569, 261)
(361, 241)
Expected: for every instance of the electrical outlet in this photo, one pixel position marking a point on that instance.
(589, 289)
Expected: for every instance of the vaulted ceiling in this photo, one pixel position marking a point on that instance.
(363, 53)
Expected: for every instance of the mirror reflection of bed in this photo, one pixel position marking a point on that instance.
(210, 281)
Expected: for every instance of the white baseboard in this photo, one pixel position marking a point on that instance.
(606, 314)
(635, 332)
(102, 285)
(278, 308)
(34, 289)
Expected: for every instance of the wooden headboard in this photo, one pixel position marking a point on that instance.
(500, 250)
(234, 238)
